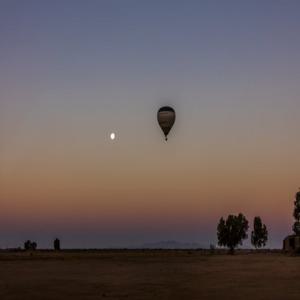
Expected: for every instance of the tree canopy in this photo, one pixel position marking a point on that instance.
(296, 214)
(259, 235)
(233, 231)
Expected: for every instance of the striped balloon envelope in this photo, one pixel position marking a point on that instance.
(166, 119)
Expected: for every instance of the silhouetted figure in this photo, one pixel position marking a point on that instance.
(56, 244)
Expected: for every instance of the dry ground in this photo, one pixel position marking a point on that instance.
(148, 275)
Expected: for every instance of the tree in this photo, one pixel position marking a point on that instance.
(296, 227)
(28, 245)
(56, 244)
(33, 245)
(232, 232)
(259, 235)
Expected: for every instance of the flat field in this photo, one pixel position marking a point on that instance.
(163, 274)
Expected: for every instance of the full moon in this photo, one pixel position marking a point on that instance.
(112, 136)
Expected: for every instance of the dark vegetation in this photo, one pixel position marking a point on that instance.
(29, 245)
(259, 235)
(232, 232)
(296, 214)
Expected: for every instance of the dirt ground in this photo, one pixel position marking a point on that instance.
(148, 275)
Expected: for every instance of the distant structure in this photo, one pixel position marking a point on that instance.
(56, 244)
(292, 242)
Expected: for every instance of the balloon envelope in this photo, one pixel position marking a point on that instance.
(166, 118)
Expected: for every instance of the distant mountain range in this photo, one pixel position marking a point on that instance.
(170, 245)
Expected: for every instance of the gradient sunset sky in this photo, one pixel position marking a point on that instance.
(72, 72)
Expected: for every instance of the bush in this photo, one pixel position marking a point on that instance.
(28, 245)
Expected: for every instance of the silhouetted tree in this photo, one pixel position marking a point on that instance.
(296, 227)
(232, 232)
(259, 235)
(28, 245)
(56, 244)
(33, 246)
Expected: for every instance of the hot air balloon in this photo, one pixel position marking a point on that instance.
(166, 118)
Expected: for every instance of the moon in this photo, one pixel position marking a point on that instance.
(112, 136)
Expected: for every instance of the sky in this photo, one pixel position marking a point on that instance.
(72, 72)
